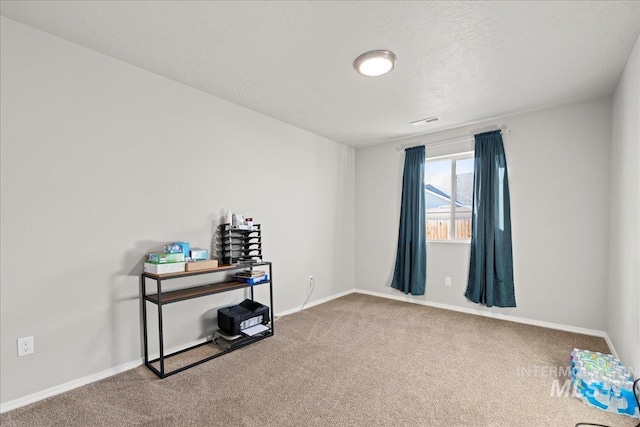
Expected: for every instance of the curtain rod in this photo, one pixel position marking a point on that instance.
(448, 141)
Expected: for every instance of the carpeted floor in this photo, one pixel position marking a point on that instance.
(354, 361)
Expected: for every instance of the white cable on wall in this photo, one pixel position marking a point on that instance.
(310, 288)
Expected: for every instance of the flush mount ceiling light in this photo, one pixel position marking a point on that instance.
(375, 63)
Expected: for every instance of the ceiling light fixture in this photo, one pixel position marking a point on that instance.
(375, 63)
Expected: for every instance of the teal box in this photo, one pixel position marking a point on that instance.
(178, 248)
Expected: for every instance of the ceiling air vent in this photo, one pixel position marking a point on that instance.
(424, 121)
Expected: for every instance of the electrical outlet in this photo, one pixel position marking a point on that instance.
(447, 281)
(25, 346)
(312, 281)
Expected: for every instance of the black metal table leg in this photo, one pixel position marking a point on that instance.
(271, 297)
(160, 333)
(144, 320)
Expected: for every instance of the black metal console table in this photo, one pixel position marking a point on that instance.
(161, 298)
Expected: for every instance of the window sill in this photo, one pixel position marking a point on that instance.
(458, 242)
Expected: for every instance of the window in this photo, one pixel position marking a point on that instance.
(448, 190)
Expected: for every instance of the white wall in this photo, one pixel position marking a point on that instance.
(103, 162)
(558, 176)
(623, 314)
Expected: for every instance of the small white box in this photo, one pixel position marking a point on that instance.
(174, 267)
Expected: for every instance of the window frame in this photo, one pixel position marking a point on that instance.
(454, 190)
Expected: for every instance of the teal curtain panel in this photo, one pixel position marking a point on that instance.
(491, 262)
(410, 271)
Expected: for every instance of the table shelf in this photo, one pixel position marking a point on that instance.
(200, 291)
(160, 298)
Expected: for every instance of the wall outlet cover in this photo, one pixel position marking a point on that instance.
(25, 346)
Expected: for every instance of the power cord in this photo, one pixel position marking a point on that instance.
(635, 394)
(312, 285)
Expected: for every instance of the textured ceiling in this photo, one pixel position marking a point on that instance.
(462, 61)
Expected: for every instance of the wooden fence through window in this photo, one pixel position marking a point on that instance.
(438, 229)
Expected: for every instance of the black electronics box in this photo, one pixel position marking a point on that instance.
(237, 317)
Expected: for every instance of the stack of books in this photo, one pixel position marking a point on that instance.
(251, 276)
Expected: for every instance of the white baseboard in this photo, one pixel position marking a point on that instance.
(181, 347)
(314, 303)
(533, 322)
(52, 391)
(610, 344)
(62, 388)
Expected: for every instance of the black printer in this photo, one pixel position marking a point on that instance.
(232, 320)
